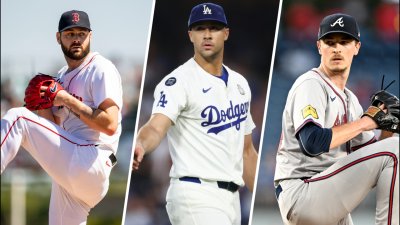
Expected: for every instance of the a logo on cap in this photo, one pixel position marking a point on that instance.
(338, 21)
(75, 17)
(206, 10)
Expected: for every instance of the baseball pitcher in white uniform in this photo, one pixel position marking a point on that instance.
(74, 141)
(328, 159)
(204, 109)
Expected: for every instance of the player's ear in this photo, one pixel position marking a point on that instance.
(58, 36)
(226, 33)
(190, 36)
(358, 46)
(319, 47)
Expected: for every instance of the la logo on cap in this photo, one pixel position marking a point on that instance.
(75, 17)
(206, 10)
(338, 21)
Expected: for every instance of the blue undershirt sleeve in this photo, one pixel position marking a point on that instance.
(314, 140)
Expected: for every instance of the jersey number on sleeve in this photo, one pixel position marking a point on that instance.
(162, 100)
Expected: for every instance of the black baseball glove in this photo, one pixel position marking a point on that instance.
(386, 121)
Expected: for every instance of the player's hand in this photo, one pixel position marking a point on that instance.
(138, 154)
(59, 98)
(41, 91)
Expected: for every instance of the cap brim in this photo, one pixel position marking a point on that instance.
(207, 19)
(339, 31)
(72, 26)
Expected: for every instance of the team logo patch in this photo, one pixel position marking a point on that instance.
(206, 10)
(241, 90)
(309, 111)
(171, 81)
(75, 18)
(338, 21)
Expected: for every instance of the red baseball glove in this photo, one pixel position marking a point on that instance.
(33, 100)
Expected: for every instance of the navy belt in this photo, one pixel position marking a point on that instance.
(230, 186)
(278, 191)
(113, 159)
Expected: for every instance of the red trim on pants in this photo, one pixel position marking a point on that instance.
(29, 120)
(395, 161)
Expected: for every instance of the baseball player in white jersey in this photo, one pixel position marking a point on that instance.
(76, 140)
(328, 159)
(204, 109)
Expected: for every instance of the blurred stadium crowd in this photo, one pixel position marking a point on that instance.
(296, 53)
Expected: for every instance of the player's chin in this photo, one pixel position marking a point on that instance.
(76, 54)
(207, 53)
(337, 68)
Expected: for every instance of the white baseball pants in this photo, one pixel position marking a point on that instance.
(79, 170)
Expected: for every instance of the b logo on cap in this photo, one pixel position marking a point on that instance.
(206, 10)
(338, 21)
(75, 17)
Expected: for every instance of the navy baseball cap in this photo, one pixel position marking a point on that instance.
(339, 23)
(73, 18)
(207, 12)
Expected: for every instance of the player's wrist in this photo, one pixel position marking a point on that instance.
(59, 99)
(368, 123)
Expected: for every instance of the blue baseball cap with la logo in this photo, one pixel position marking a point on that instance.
(339, 23)
(207, 12)
(73, 18)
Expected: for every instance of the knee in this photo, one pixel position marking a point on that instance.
(18, 111)
(13, 113)
(392, 145)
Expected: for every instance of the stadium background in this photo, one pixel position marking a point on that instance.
(296, 53)
(248, 51)
(29, 46)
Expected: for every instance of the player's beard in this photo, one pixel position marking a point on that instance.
(75, 55)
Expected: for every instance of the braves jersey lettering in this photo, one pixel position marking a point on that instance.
(316, 106)
(215, 116)
(339, 121)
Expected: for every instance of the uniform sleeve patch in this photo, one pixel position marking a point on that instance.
(171, 81)
(309, 111)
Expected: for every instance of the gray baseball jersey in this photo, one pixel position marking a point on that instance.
(326, 188)
(314, 98)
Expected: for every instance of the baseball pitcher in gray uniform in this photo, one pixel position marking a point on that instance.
(328, 158)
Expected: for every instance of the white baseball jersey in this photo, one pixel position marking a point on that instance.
(314, 98)
(76, 157)
(94, 81)
(210, 119)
